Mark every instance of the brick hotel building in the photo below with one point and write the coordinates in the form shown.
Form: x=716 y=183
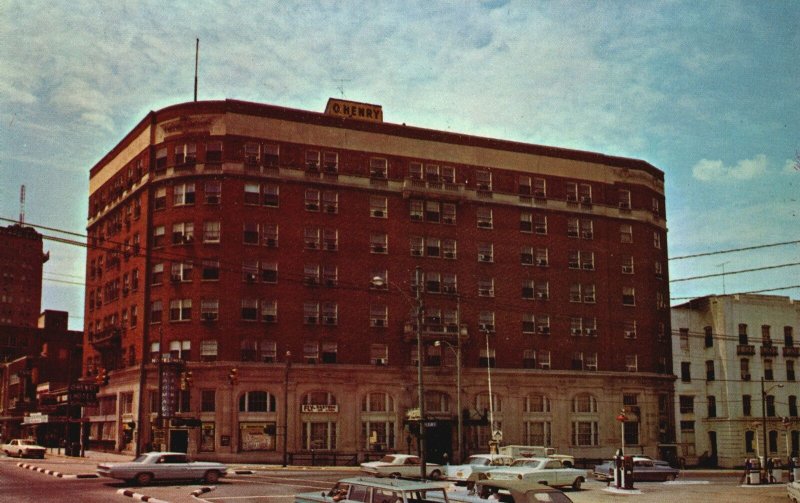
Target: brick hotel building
x=254 y=274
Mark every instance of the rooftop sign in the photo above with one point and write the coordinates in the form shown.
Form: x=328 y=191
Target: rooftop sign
x=354 y=110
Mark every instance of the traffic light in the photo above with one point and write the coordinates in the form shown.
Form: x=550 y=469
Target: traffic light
x=233 y=376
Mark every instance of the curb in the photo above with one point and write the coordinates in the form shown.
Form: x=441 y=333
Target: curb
x=138 y=496
x=54 y=473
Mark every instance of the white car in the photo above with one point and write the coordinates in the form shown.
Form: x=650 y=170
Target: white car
x=163 y=466
x=401 y=465
x=24 y=448
x=548 y=471
x=477 y=463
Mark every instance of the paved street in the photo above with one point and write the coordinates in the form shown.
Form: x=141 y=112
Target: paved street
x=59 y=477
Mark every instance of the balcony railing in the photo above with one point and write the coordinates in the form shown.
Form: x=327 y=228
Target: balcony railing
x=791 y=351
x=424 y=187
x=769 y=351
x=745 y=349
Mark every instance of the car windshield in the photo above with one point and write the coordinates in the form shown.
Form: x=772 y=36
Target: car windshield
x=387 y=459
x=479 y=461
x=140 y=459
x=27 y=442
x=526 y=462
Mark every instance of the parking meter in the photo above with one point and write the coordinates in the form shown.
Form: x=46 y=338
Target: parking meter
x=618 y=470
x=627 y=472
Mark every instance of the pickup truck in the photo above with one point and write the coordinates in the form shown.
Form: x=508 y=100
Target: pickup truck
x=548 y=471
x=23 y=448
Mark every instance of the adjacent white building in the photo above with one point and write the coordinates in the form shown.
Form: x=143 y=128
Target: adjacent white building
x=736 y=357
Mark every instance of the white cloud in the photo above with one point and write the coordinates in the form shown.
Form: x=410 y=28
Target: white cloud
x=716 y=171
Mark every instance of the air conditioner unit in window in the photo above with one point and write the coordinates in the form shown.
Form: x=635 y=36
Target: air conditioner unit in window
x=330 y=320
x=485 y=225
x=542 y=295
x=539 y=193
x=331 y=209
x=269 y=318
x=591 y=332
x=188 y=238
x=312 y=167
x=577 y=331
x=377 y=213
x=416 y=253
x=486 y=327
x=588 y=267
x=378 y=249
x=209 y=316
x=541 y=262
x=543 y=330
x=251 y=277
x=311 y=320
x=272 y=243
x=380 y=361
x=630 y=334
x=449 y=254
x=312 y=207
x=378 y=323
x=486 y=258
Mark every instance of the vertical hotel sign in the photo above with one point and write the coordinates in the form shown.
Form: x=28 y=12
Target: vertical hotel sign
x=354 y=110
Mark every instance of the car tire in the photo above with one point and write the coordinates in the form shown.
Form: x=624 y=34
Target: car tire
x=577 y=484
x=436 y=475
x=211 y=477
x=143 y=478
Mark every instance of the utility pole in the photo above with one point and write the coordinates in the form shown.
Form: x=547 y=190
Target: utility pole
x=421 y=387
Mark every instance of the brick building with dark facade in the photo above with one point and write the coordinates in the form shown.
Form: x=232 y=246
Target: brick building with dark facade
x=21 y=261
x=272 y=255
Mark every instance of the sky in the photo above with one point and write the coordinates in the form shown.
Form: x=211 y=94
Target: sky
x=705 y=91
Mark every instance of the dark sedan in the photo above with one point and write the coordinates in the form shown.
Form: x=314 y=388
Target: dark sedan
x=644 y=470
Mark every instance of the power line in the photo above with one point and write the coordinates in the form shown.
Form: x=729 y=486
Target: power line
x=776 y=289
x=741 y=271
x=734 y=250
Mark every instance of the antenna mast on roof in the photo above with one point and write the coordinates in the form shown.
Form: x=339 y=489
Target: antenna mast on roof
x=196 y=58
x=22 y=204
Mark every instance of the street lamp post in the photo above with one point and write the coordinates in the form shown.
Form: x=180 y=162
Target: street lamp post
x=286 y=407
x=495 y=437
x=764 y=423
x=460 y=419
x=380 y=281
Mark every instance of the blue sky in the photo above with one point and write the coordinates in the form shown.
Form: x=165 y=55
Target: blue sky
x=705 y=91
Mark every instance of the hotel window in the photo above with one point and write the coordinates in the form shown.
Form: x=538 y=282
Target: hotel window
x=208 y=350
x=251 y=154
x=590 y=327
x=449 y=213
x=270 y=195
x=484 y=218
x=161 y=159
x=432 y=173
x=742 y=334
x=486 y=321
x=543 y=359
x=686 y=372
x=625 y=233
x=770 y=406
x=158 y=236
x=526 y=255
x=527 y=289
x=211 y=232
x=269 y=272
x=181 y=271
x=483 y=179
x=378 y=207
x=378 y=168
x=540 y=224
x=378 y=355
x=628 y=296
x=182 y=233
x=526 y=222
x=433 y=282
x=449 y=249
x=311 y=274
x=271 y=156
x=576 y=326
x=574 y=259
x=486 y=287
x=311 y=238
x=251 y=193
x=415 y=170
x=249 y=309
x=590 y=361
x=212 y=191
x=180 y=309
x=250 y=235
x=250 y=271
x=744 y=369
x=766 y=338
x=156 y=310
x=209 y=309
x=542 y=290
x=134 y=315
x=528 y=323
x=330 y=313
x=214 y=152
x=383 y=283
x=659 y=269
x=542 y=257
x=186 y=154
x=624 y=199
x=312 y=160
x=180 y=350
x=329 y=350
x=710 y=376
x=269 y=312
x=524 y=185
x=487 y=359
x=416 y=210
x=790 y=375
x=747 y=405
x=160 y=199
x=768 y=373
x=657 y=240
x=572 y=192
x=485 y=252
x=448 y=174
x=271 y=235
x=587 y=260
x=711 y=402
x=379 y=243
x=378 y=316
x=210 y=270
x=183 y=194
x=539 y=187
x=792 y=405
x=330 y=239
x=157 y=274
x=433 y=247
x=432 y=211
x=311 y=354
x=330 y=162
x=311 y=313
x=312 y=200
x=330 y=275
x=629 y=329
x=417 y=246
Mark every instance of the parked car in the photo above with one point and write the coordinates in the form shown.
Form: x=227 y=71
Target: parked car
x=23 y=448
x=549 y=471
x=645 y=469
x=372 y=489
x=477 y=463
x=509 y=491
x=401 y=465
x=157 y=466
